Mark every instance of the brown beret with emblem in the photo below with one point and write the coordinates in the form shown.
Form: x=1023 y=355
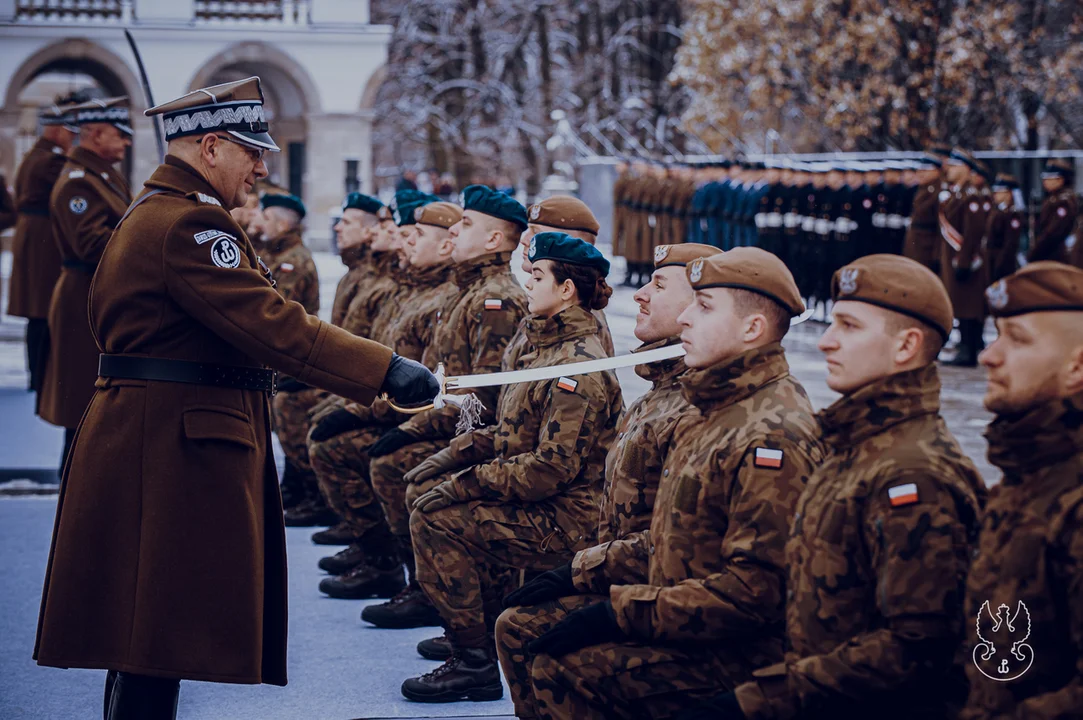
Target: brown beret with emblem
x=235 y=108
x=899 y=284
x=438 y=214
x=565 y=213
x=747 y=268
x=682 y=254
x=1043 y=286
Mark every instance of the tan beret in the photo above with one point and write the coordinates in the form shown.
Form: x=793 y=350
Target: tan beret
x=747 y=268
x=565 y=213
x=438 y=214
x=682 y=254
x=1043 y=286
x=899 y=284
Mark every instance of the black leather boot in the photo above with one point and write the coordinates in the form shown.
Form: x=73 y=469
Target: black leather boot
x=437 y=648
x=376 y=577
x=311 y=513
x=139 y=697
x=338 y=534
x=471 y=673
x=409 y=609
x=344 y=560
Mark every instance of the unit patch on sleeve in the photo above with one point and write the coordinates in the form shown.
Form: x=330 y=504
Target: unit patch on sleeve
x=900 y=495
x=567 y=384
x=225 y=253
x=494 y=304
x=767 y=458
x=77 y=205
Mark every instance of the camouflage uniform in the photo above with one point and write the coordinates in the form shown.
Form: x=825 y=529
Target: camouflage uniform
x=877 y=559
x=700 y=594
x=1031 y=551
x=359 y=269
x=633 y=469
x=371 y=295
x=533 y=499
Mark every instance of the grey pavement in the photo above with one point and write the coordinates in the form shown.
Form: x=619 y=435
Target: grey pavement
x=339 y=668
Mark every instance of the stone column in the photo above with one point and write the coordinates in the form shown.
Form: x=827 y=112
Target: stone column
x=332 y=140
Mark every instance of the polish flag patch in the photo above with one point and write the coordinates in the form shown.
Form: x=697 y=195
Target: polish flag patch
x=493 y=303
x=900 y=495
x=767 y=458
x=567 y=384
x=286 y=267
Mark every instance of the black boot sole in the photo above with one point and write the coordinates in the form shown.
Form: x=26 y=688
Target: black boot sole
x=383 y=589
x=485 y=693
x=417 y=620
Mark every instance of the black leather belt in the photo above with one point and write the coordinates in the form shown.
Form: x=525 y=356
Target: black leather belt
x=928 y=227
x=237 y=377
x=39 y=212
x=88 y=268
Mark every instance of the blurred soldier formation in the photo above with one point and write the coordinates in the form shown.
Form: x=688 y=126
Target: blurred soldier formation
x=716 y=549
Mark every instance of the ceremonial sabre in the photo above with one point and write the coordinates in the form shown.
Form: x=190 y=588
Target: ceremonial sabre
x=146 y=93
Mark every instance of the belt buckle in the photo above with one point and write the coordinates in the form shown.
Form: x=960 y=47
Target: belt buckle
x=274 y=383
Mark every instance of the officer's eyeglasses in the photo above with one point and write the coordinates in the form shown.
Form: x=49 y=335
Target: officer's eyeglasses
x=254 y=154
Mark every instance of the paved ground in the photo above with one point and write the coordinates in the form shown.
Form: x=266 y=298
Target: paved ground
x=338 y=667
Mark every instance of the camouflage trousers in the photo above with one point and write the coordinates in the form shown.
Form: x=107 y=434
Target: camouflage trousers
x=386 y=474
x=291 y=423
x=624 y=680
x=341 y=464
x=465 y=552
x=515 y=629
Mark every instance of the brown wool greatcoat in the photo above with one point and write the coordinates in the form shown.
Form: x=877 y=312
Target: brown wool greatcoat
x=35 y=264
x=86 y=204
x=169 y=554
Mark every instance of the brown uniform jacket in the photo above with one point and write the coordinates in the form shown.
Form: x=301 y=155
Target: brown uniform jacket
x=86 y=204
x=1056 y=220
x=549 y=443
x=35 y=265
x=711 y=568
x=358 y=268
x=168 y=554
x=967 y=213
x=877 y=559
x=472 y=333
x=293 y=270
x=923 y=240
x=1002 y=231
x=1030 y=553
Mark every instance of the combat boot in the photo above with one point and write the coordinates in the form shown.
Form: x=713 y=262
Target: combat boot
x=471 y=673
x=374 y=578
x=437 y=648
x=339 y=534
x=311 y=513
x=409 y=609
x=344 y=560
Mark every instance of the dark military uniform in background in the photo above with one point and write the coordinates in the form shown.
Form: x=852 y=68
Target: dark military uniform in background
x=1056 y=221
x=923 y=239
x=1002 y=232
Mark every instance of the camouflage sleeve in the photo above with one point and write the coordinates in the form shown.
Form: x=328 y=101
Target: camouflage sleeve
x=1049 y=238
x=747 y=593
x=566 y=434
x=919 y=556
x=1066 y=565
x=620 y=562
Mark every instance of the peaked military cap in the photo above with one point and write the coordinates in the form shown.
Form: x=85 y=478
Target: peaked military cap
x=110 y=111
x=1043 y=286
x=58 y=115
x=941 y=149
x=362 y=202
x=483 y=199
x=898 y=284
x=438 y=214
x=748 y=268
x=562 y=247
x=1058 y=167
x=681 y=254
x=564 y=212
x=1005 y=181
x=235 y=108
x=406 y=202
x=283 y=200
x=930 y=161
x=959 y=155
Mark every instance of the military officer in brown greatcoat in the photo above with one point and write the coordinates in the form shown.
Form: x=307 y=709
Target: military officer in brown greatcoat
x=168 y=558
x=923 y=241
x=1003 y=228
x=86 y=204
x=35 y=265
x=1053 y=237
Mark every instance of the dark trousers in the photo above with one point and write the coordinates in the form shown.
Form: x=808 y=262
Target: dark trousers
x=140 y=697
x=37 y=351
x=69 y=438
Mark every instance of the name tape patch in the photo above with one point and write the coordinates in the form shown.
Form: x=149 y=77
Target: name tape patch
x=767 y=458
x=208 y=235
x=900 y=495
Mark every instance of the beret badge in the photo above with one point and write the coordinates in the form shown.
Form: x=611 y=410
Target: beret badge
x=997 y=295
x=535 y=212
x=396 y=217
x=695 y=270
x=533 y=248
x=419 y=213
x=848 y=280
x=660 y=253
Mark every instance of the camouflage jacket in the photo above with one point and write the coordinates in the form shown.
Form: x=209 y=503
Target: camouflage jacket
x=293 y=270
x=359 y=268
x=472 y=332
x=634 y=464
x=877 y=558
x=520 y=343
x=371 y=295
x=549 y=443
x=389 y=309
x=711 y=567
x=1030 y=553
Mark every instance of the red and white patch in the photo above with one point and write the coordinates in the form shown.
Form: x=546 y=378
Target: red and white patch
x=286 y=267
x=567 y=384
x=900 y=495
x=767 y=458
x=493 y=303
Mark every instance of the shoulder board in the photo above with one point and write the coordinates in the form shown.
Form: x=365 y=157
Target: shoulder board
x=204 y=198
x=74 y=174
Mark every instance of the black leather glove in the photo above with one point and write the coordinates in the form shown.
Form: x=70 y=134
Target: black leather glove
x=550 y=585
x=720 y=707
x=389 y=442
x=335 y=423
x=291 y=385
x=593 y=625
x=409 y=382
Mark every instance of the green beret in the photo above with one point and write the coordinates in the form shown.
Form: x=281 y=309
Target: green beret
x=284 y=200
x=500 y=205
x=364 y=203
x=406 y=202
x=567 y=249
